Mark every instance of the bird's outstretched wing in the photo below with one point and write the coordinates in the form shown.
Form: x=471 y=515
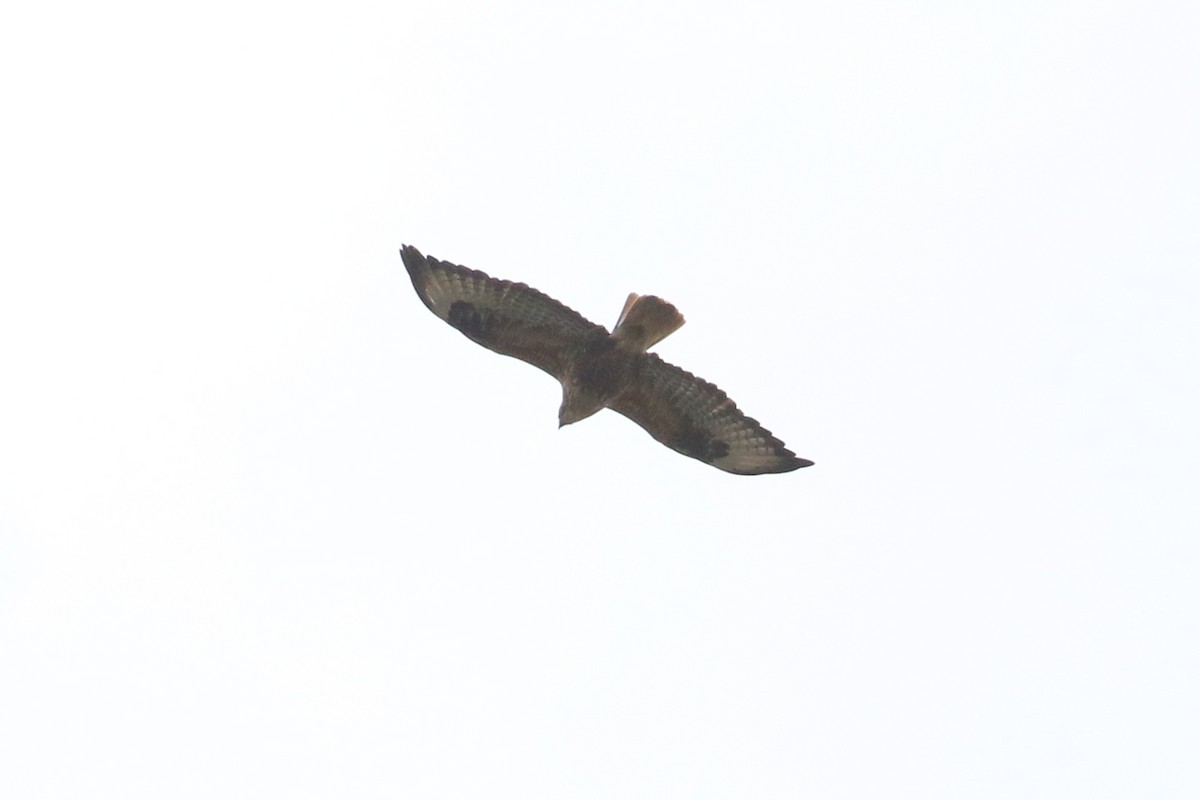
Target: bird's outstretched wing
x=693 y=417
x=509 y=318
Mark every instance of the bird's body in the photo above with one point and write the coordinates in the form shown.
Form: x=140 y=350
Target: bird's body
x=594 y=377
x=598 y=369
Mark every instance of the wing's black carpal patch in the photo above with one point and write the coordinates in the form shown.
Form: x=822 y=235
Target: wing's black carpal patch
x=697 y=444
x=466 y=317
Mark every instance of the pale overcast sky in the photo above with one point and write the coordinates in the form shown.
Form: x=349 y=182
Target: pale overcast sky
x=268 y=528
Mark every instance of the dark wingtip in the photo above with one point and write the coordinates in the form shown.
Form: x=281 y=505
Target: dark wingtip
x=414 y=262
x=792 y=464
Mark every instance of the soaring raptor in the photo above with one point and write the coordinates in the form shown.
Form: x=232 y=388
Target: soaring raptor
x=598 y=369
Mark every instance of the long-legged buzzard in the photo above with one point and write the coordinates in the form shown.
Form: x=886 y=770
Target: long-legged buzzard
x=598 y=369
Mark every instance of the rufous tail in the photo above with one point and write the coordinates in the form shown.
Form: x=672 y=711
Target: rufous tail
x=645 y=321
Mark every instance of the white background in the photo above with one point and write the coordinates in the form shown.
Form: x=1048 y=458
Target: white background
x=270 y=529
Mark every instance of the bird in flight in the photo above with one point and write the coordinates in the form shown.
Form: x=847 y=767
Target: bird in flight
x=598 y=369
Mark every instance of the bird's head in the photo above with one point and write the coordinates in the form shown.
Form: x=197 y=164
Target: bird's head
x=567 y=414
x=574 y=409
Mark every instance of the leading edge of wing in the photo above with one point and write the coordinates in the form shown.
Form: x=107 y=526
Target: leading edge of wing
x=439 y=283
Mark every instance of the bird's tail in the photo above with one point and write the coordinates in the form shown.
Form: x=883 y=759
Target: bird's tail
x=645 y=321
